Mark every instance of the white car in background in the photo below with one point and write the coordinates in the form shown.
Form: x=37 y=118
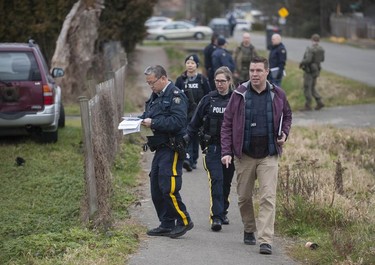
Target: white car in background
x=155 y=21
x=179 y=30
x=242 y=25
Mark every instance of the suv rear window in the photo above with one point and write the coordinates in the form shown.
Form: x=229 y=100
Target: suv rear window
x=19 y=66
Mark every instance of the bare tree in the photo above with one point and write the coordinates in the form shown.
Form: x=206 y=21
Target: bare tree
x=75 y=45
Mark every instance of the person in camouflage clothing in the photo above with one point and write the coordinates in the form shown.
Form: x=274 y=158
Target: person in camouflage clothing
x=313 y=57
x=242 y=58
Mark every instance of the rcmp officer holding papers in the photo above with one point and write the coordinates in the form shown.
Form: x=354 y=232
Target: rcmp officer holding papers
x=166 y=115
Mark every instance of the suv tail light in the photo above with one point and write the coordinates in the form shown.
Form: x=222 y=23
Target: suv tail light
x=47 y=95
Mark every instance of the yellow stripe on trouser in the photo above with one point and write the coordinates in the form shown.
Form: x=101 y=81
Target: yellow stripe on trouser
x=210 y=185
x=173 y=188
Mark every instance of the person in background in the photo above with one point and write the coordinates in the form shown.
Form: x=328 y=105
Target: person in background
x=207 y=122
x=195 y=86
x=313 y=57
x=242 y=57
x=207 y=52
x=256 y=125
x=232 y=22
x=222 y=57
x=277 y=60
x=166 y=115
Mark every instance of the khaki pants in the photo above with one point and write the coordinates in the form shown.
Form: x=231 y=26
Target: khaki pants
x=265 y=170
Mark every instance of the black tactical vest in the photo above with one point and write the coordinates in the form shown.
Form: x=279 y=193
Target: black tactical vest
x=249 y=119
x=215 y=115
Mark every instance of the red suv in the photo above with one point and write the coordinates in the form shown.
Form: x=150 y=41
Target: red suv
x=30 y=100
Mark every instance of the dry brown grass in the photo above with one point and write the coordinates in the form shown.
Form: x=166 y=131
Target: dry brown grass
x=311 y=157
x=327 y=193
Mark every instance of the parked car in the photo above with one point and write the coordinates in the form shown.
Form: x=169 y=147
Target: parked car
x=179 y=30
x=242 y=25
x=220 y=26
x=155 y=21
x=30 y=100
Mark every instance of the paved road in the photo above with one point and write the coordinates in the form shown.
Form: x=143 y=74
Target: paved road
x=355 y=63
x=357 y=116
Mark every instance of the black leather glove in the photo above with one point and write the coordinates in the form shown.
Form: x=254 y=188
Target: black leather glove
x=186 y=139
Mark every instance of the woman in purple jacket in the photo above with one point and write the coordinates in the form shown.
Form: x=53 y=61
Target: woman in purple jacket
x=256 y=124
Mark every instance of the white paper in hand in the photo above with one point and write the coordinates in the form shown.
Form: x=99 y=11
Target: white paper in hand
x=130 y=125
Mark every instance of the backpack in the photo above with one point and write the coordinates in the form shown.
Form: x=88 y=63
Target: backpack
x=318 y=54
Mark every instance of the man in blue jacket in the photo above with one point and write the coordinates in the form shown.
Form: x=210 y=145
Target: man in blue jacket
x=256 y=124
x=277 y=60
x=166 y=115
x=222 y=57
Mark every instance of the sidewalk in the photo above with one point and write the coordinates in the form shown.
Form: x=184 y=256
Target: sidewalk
x=200 y=246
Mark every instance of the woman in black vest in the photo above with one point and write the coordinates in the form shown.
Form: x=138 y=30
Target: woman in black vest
x=195 y=86
x=206 y=122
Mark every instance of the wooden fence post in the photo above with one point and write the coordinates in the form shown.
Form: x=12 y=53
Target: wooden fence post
x=89 y=156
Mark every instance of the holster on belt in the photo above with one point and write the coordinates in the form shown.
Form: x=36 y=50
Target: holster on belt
x=178 y=145
x=154 y=142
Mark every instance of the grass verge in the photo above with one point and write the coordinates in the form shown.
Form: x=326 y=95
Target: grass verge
x=326 y=195
x=40 y=203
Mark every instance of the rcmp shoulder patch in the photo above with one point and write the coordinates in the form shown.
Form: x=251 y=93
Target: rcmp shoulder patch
x=283 y=51
x=177 y=100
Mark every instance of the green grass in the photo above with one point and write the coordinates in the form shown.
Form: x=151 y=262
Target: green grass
x=40 y=203
x=72 y=109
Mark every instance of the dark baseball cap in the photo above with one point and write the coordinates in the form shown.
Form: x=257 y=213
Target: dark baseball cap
x=221 y=41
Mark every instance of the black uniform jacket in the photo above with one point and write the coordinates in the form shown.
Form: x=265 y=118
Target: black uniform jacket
x=168 y=112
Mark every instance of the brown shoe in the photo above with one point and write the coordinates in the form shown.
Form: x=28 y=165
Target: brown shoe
x=319 y=106
x=306 y=108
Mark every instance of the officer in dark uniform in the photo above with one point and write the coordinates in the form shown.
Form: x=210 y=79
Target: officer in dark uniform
x=195 y=86
x=207 y=52
x=166 y=115
x=222 y=57
x=277 y=60
x=207 y=121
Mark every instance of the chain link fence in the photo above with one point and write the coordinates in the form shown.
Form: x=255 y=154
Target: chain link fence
x=100 y=117
x=352 y=27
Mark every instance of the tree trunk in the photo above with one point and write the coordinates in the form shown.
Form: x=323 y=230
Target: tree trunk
x=75 y=46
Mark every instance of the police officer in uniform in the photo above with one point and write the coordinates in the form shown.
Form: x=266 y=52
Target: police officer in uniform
x=277 y=60
x=222 y=57
x=242 y=57
x=207 y=52
x=310 y=64
x=195 y=86
x=166 y=115
x=207 y=121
